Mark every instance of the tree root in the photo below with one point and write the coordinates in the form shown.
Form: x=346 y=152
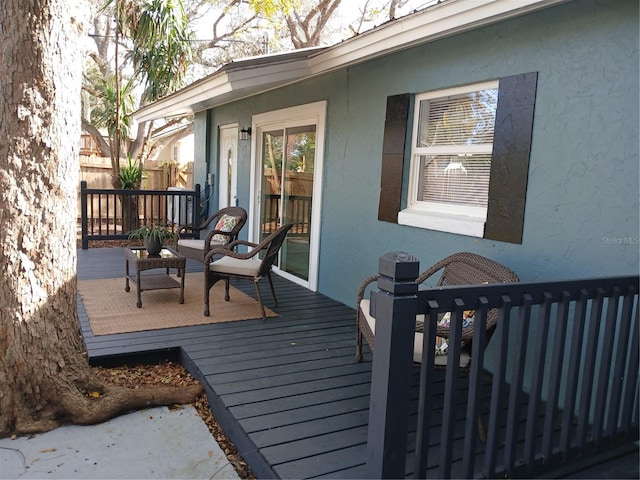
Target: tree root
x=116 y=400
x=97 y=406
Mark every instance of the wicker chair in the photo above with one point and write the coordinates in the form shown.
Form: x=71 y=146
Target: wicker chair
x=458 y=269
x=232 y=264
x=197 y=249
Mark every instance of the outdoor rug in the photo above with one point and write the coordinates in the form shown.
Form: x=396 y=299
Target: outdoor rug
x=112 y=310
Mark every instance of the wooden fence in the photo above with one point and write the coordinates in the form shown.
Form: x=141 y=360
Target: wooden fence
x=96 y=172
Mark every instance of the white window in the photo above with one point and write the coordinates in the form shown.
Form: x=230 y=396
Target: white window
x=452 y=143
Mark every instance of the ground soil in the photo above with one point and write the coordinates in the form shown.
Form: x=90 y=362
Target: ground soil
x=169 y=373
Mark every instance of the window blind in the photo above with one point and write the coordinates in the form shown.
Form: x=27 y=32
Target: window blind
x=455 y=179
x=454 y=143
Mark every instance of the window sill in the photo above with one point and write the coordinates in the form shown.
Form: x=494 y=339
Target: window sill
x=443 y=222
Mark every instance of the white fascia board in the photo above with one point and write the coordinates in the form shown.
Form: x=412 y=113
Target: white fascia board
x=240 y=81
x=265 y=76
x=227 y=86
x=438 y=21
x=182 y=102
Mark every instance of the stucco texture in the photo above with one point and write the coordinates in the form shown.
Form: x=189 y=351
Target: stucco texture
x=582 y=212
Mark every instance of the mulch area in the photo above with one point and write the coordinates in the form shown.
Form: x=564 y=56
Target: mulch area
x=169 y=373
x=110 y=243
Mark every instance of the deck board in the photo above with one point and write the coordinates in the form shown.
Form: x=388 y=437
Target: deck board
x=286 y=391
x=290 y=383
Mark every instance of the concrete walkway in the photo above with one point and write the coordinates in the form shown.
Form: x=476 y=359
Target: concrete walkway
x=155 y=443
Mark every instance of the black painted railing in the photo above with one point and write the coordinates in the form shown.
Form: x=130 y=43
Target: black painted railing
x=108 y=214
x=296 y=210
x=556 y=386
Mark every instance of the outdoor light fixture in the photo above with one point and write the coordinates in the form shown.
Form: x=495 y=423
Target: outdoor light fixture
x=245 y=133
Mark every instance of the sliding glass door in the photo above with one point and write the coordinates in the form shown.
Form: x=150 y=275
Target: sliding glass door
x=288 y=158
x=287 y=179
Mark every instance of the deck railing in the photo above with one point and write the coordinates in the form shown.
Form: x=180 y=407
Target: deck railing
x=562 y=366
x=297 y=210
x=108 y=214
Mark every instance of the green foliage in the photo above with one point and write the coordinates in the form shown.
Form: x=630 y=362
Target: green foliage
x=162 y=38
x=303 y=152
x=155 y=50
x=270 y=8
x=131 y=175
x=153 y=232
x=161 y=42
x=105 y=114
x=300 y=150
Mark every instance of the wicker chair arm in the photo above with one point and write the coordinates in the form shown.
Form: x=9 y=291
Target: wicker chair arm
x=432 y=270
x=209 y=237
x=228 y=250
x=187 y=228
x=235 y=243
x=199 y=228
x=363 y=287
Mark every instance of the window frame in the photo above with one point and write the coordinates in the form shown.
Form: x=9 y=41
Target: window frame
x=452 y=218
x=512 y=146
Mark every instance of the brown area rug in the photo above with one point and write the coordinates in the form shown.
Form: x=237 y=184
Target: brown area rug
x=112 y=310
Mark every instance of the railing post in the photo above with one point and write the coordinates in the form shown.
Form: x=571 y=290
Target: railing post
x=394 y=306
x=83 y=215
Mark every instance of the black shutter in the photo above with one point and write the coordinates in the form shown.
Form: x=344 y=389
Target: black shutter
x=395 y=134
x=510 y=158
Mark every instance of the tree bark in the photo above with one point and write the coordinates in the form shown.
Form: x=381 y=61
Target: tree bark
x=45 y=379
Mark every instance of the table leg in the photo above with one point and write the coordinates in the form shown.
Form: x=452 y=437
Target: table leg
x=181 y=272
x=126 y=276
x=139 y=304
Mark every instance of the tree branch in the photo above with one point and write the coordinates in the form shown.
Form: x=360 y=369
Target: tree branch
x=103 y=145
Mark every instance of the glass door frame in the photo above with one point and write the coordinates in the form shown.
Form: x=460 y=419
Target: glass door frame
x=309 y=114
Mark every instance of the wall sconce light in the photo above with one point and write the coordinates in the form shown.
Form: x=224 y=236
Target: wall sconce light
x=245 y=133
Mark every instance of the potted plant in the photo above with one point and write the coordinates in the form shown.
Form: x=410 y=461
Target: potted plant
x=153 y=237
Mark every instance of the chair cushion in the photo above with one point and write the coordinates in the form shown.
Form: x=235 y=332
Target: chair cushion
x=236 y=266
x=465 y=358
x=191 y=243
x=225 y=224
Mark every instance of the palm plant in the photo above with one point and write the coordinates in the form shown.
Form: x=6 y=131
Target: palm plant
x=131 y=175
x=157 y=39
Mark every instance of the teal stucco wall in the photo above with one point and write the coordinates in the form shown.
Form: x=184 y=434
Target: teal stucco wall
x=582 y=213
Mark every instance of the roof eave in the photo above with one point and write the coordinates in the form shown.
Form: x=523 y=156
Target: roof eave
x=249 y=77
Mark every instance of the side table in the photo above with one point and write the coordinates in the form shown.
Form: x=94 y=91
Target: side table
x=141 y=260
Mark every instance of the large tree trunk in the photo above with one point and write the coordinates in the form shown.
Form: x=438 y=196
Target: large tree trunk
x=45 y=379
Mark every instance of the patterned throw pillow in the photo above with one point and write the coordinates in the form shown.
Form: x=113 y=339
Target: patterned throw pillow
x=225 y=224
x=445 y=321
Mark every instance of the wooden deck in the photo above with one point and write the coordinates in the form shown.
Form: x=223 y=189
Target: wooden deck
x=286 y=391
